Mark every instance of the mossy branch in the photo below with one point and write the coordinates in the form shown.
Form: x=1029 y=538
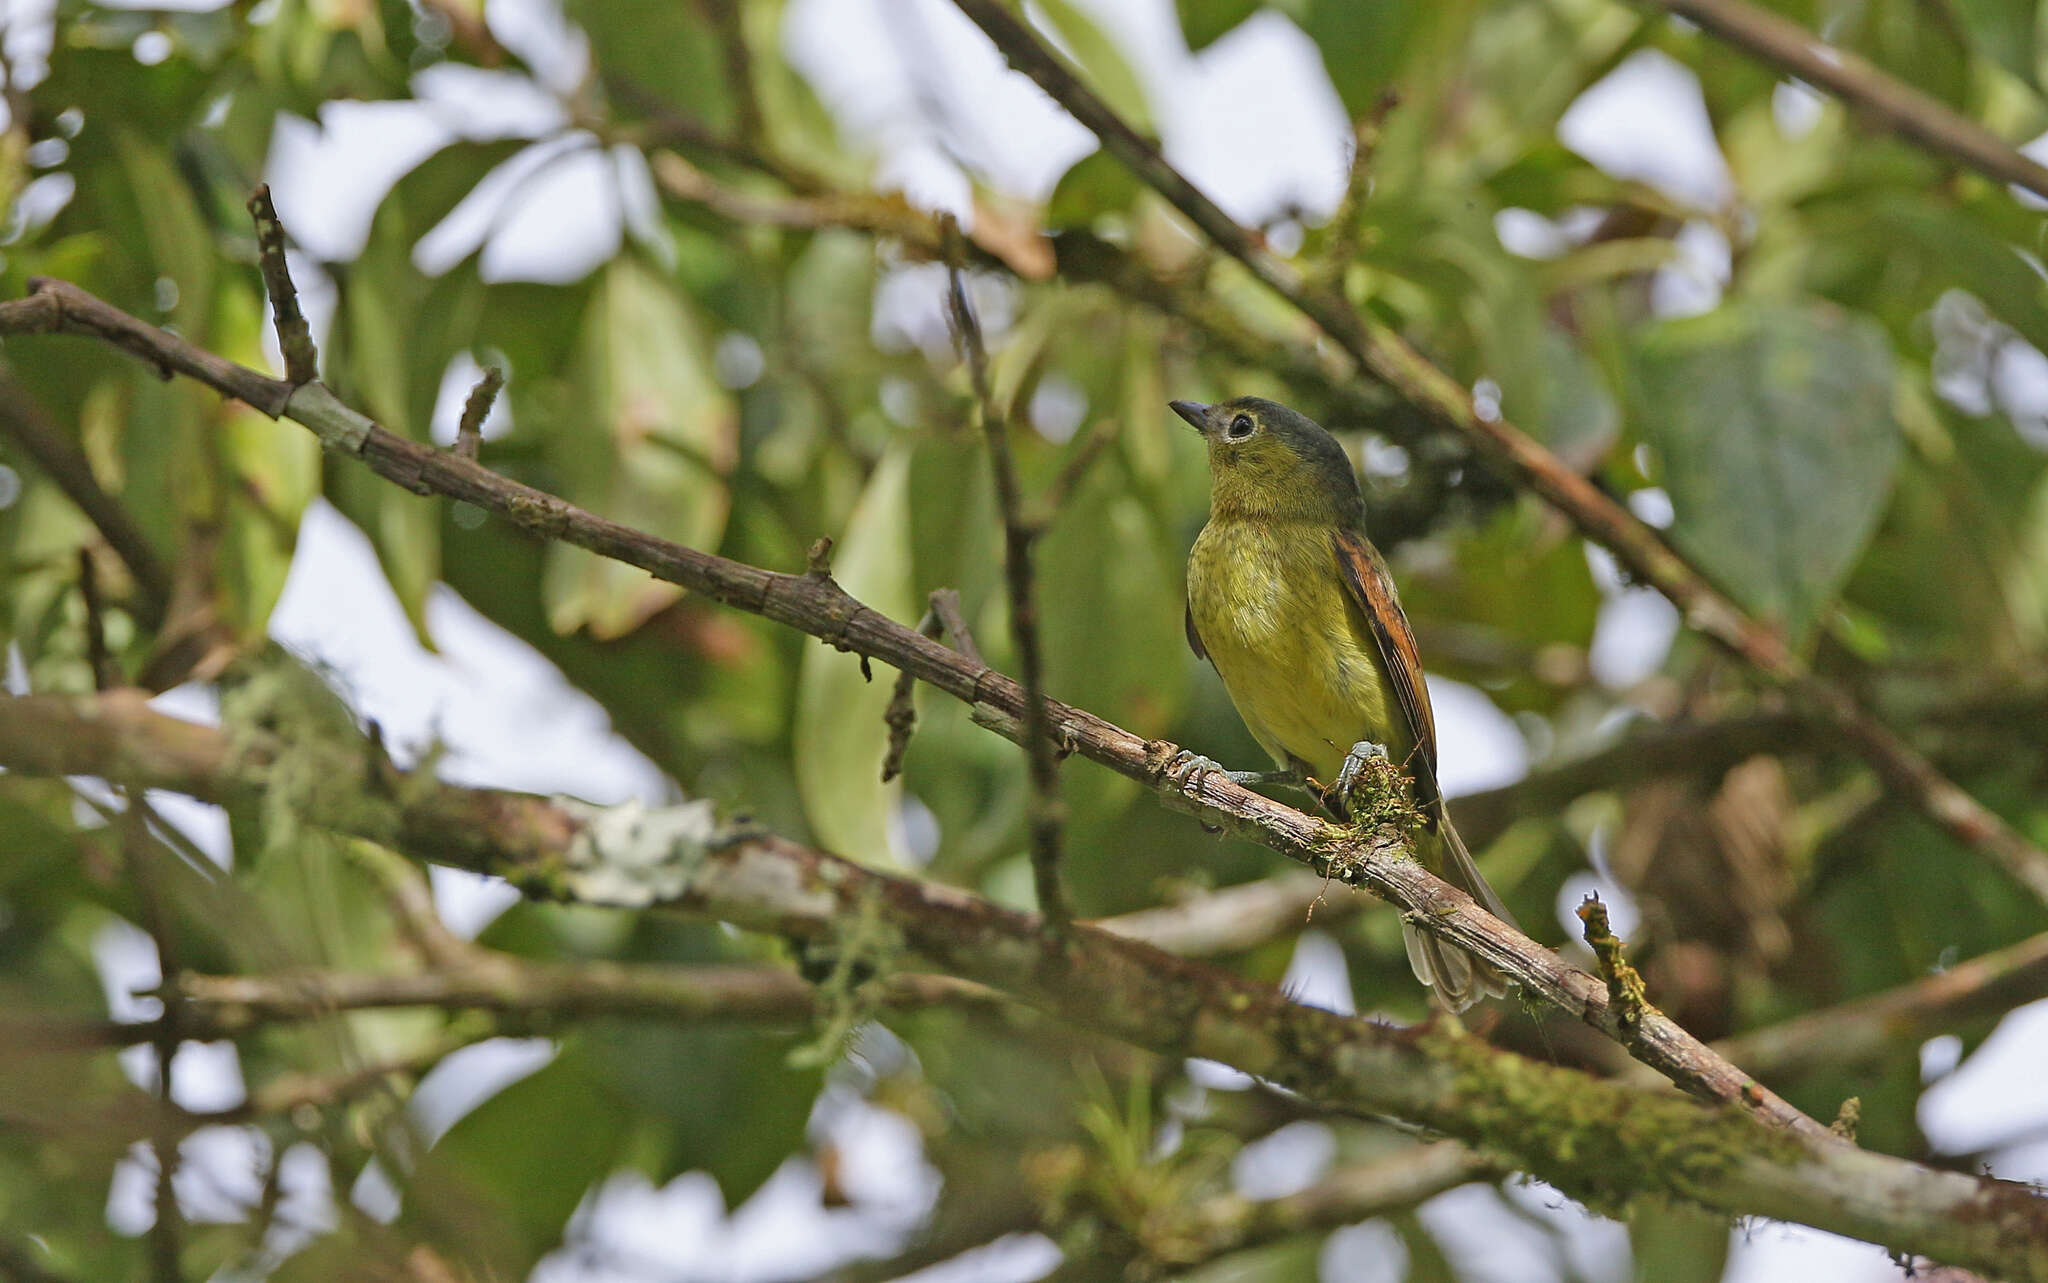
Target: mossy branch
x=1601 y=1141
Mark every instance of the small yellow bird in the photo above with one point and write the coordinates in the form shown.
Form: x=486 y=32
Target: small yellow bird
x=1295 y=608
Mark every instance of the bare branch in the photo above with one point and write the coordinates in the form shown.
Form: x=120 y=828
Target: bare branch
x=1860 y=1031
x=525 y=995
x=1239 y=917
x=1919 y=118
x=1045 y=814
x=294 y=336
x=104 y=676
x=469 y=433
x=1343 y=1196
x=1387 y=357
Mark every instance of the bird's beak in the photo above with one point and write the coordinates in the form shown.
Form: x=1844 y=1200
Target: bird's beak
x=1193 y=411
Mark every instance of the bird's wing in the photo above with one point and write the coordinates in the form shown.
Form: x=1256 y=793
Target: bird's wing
x=1194 y=638
x=1372 y=588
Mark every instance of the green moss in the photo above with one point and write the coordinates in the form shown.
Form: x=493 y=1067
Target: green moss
x=297 y=750
x=847 y=968
x=1382 y=797
x=1625 y=990
x=1603 y=1144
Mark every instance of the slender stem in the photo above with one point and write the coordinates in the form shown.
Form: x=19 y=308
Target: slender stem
x=1045 y=814
x=1857 y=1032
x=63 y=462
x=469 y=433
x=1389 y=358
x=294 y=336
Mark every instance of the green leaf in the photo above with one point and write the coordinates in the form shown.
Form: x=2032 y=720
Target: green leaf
x=663 y=48
x=839 y=735
x=1098 y=184
x=648 y=442
x=1674 y=1243
x=1366 y=43
x=1778 y=443
x=1108 y=72
x=508 y=1174
x=1204 y=22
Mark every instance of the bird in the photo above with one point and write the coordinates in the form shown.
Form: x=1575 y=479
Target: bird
x=1296 y=610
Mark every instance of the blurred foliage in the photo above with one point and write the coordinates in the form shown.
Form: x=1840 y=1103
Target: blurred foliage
x=1842 y=421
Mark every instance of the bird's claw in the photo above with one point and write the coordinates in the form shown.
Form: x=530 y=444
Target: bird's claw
x=1186 y=768
x=1354 y=761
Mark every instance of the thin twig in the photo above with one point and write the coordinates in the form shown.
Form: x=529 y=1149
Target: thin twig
x=1389 y=358
x=1344 y=1195
x=1624 y=986
x=1045 y=813
x=901 y=715
x=26 y=423
x=1858 y=1032
x=97 y=660
x=167 y=1233
x=469 y=434
x=1075 y=470
x=294 y=336
x=1347 y=225
x=1919 y=118
x=946 y=605
x=739 y=70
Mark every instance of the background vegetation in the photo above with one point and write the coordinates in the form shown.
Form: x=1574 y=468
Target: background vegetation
x=1844 y=428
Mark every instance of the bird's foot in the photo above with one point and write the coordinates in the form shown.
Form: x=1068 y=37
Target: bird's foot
x=1355 y=761
x=1187 y=768
x=1368 y=789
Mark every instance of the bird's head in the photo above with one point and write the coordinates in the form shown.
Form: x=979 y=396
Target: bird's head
x=1268 y=460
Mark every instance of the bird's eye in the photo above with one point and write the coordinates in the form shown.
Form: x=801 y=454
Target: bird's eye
x=1240 y=427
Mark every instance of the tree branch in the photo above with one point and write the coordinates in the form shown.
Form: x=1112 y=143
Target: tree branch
x=1600 y=1141
x=1860 y=1031
x=814 y=604
x=1390 y=359
x=527 y=994
x=1343 y=1196
x=1045 y=815
x=1919 y=118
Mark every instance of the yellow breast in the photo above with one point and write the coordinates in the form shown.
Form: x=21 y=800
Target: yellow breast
x=1292 y=648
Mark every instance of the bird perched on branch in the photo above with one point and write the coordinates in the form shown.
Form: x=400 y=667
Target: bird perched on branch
x=1295 y=608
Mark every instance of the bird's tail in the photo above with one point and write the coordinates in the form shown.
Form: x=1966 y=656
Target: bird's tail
x=1458 y=978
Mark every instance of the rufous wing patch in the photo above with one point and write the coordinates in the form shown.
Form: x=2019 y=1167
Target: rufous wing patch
x=1365 y=577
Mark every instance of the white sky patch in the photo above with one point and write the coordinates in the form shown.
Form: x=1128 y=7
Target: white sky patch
x=1774 y=1252
x=1285 y=1162
x=1635 y=628
x=1646 y=120
x=469 y=1077
x=1317 y=975
x=507 y=717
x=1286 y=143
x=327 y=179
x=1486 y=1240
x=1368 y=1253
x=1478 y=746
x=917 y=82
x=2006 y=1070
